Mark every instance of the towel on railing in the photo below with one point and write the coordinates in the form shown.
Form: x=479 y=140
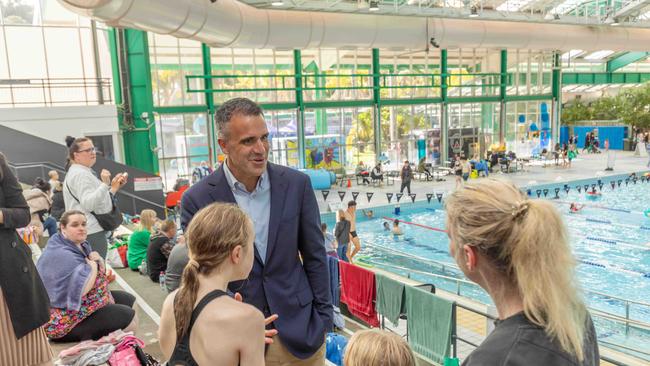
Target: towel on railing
x=333 y=265
x=429 y=323
x=358 y=292
x=390 y=298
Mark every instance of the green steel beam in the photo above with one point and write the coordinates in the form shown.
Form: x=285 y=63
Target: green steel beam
x=376 y=101
x=597 y=78
x=297 y=65
x=209 y=101
x=181 y=109
x=338 y=104
x=503 y=95
x=625 y=59
x=444 y=109
x=140 y=135
x=117 y=85
x=527 y=98
x=486 y=99
x=556 y=103
x=398 y=102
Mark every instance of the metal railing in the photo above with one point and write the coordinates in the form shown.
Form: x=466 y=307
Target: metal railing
x=55 y=92
x=44 y=167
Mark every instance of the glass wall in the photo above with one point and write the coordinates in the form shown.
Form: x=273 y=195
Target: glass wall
x=345 y=73
x=183 y=139
x=528 y=126
x=47 y=57
x=283 y=132
x=531 y=72
x=407 y=75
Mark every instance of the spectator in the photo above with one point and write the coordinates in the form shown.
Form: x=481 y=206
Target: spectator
x=458 y=171
x=81 y=305
x=282 y=239
x=406 y=174
x=499 y=239
x=24 y=305
x=342 y=234
x=177 y=261
x=39 y=200
x=84 y=192
x=58 y=203
x=160 y=246
x=466 y=168
x=375 y=347
x=422 y=168
x=54 y=178
x=228 y=332
x=330 y=241
x=376 y=173
x=139 y=239
x=362 y=171
x=201 y=171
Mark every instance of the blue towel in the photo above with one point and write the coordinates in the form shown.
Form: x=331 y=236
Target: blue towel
x=333 y=264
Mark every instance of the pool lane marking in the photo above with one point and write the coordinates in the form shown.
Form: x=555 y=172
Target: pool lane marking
x=416 y=224
x=615 y=268
x=143 y=304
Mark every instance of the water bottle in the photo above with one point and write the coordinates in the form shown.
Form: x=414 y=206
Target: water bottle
x=161 y=281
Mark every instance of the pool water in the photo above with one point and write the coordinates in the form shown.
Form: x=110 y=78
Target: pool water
x=610 y=237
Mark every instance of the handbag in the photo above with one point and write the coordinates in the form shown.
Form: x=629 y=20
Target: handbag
x=108 y=221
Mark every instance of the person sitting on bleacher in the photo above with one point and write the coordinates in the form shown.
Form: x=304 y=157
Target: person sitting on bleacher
x=422 y=169
x=81 y=305
x=160 y=246
x=377 y=174
x=362 y=171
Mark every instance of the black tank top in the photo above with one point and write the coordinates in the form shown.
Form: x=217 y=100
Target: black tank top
x=182 y=356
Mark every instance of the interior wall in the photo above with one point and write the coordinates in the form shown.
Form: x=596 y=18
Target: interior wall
x=55 y=123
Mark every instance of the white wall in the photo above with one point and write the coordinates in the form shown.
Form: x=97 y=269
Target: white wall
x=55 y=123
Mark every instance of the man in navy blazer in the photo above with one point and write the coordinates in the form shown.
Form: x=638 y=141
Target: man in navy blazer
x=289 y=276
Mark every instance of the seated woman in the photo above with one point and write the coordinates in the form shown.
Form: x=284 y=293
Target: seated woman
x=500 y=240
x=200 y=324
x=81 y=305
x=362 y=171
x=422 y=168
x=139 y=239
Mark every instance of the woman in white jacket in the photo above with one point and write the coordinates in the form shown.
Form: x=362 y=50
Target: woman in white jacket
x=84 y=192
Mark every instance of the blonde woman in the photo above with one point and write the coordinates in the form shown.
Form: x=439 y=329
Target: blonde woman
x=376 y=347
x=518 y=251
x=139 y=239
x=200 y=324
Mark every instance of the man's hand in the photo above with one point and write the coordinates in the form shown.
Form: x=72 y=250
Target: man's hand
x=268 y=333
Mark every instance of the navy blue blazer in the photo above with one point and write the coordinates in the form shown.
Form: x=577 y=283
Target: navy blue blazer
x=299 y=292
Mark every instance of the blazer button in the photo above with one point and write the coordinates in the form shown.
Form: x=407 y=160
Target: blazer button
x=25 y=269
x=13 y=244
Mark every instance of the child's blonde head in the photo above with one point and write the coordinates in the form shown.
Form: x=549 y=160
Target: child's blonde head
x=376 y=347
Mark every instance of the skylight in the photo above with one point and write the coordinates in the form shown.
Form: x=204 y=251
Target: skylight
x=571 y=54
x=513 y=5
x=599 y=55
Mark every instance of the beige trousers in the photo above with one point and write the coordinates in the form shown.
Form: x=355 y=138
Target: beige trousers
x=278 y=355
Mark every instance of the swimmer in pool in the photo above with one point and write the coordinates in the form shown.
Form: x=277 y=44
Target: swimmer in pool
x=369 y=213
x=396 y=229
x=574 y=208
x=386 y=226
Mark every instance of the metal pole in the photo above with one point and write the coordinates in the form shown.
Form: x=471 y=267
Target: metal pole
x=502 y=96
x=300 y=123
x=444 y=116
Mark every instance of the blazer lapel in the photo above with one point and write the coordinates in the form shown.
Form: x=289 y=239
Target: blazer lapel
x=221 y=192
x=278 y=198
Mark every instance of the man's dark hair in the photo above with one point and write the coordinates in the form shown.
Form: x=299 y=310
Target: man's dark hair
x=351 y=203
x=323 y=226
x=235 y=106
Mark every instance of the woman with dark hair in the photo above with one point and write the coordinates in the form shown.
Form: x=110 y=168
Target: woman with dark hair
x=23 y=300
x=84 y=192
x=82 y=307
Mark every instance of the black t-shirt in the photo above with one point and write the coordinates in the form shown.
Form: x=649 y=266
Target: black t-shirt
x=157 y=253
x=517 y=342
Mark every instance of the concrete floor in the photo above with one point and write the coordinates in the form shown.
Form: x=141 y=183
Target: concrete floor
x=151 y=297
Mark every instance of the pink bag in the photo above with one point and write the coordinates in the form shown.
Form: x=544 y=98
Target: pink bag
x=124 y=357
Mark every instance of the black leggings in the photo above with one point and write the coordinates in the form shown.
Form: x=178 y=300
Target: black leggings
x=105 y=320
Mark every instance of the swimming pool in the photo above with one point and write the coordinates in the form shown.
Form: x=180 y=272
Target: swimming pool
x=609 y=238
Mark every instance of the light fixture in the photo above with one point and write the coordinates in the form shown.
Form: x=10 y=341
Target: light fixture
x=277 y=3
x=473 y=12
x=374 y=5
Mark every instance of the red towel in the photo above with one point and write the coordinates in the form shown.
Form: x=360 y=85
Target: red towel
x=358 y=292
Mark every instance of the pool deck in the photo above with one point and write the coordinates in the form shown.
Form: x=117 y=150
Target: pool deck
x=585 y=166
x=150 y=297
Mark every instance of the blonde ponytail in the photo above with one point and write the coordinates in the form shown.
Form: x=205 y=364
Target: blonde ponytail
x=528 y=242
x=185 y=300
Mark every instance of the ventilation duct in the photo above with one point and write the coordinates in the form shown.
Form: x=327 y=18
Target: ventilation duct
x=230 y=23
